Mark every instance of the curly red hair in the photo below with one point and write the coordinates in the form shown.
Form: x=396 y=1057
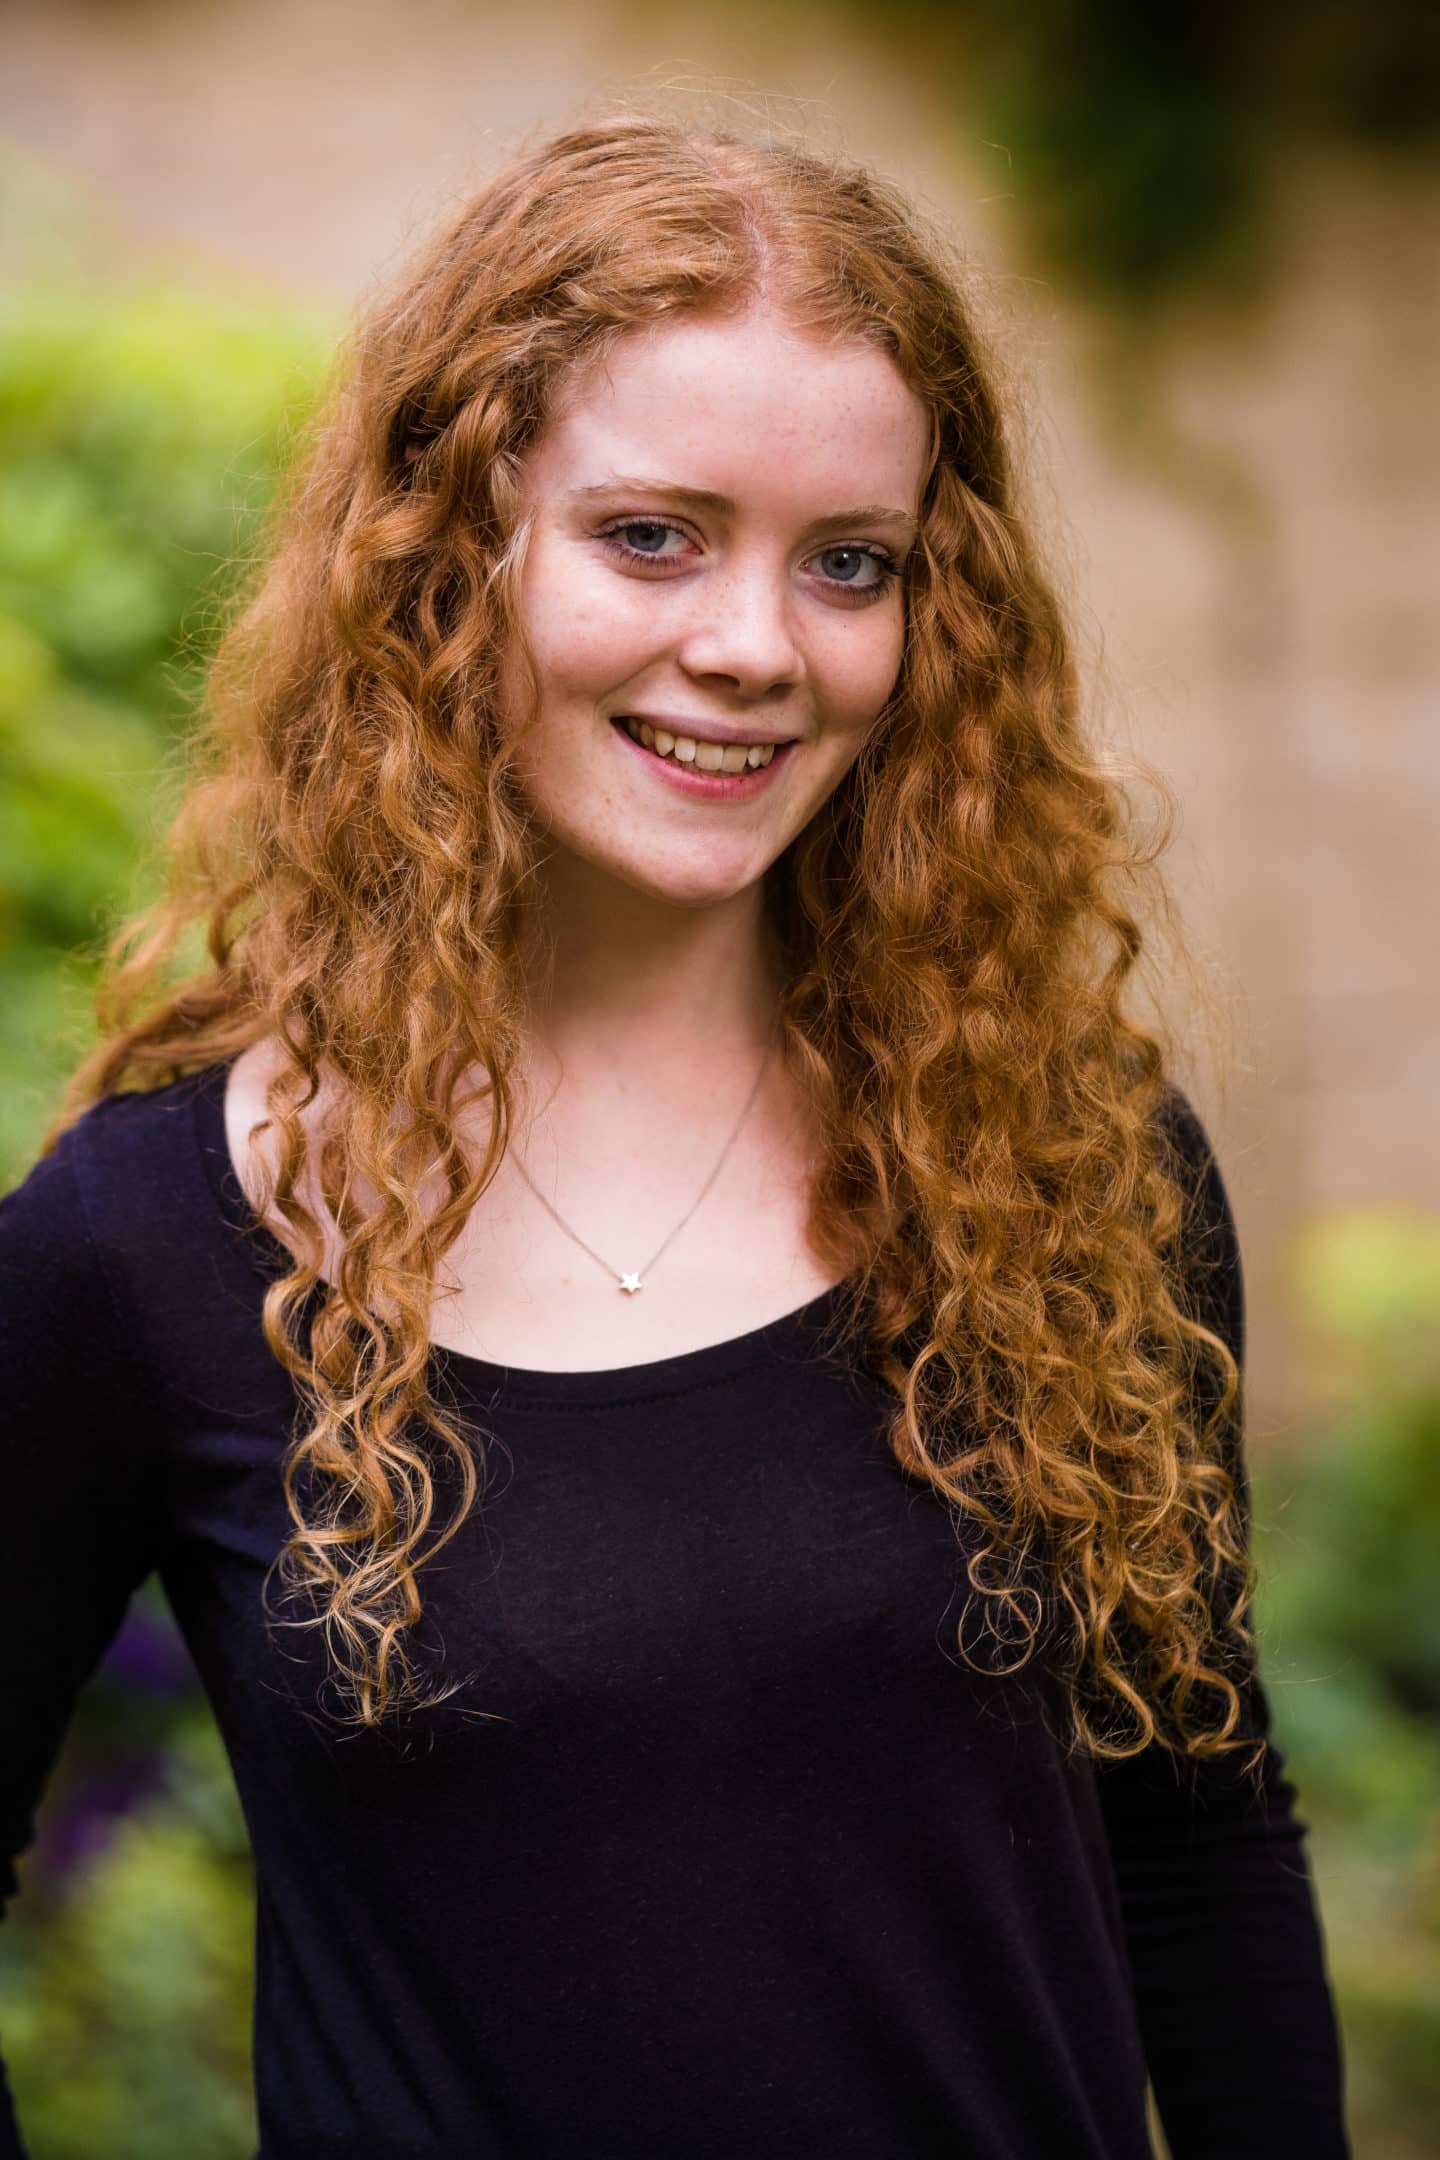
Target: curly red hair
x=999 y=1179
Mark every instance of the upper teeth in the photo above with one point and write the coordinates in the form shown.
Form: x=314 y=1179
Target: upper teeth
x=691 y=750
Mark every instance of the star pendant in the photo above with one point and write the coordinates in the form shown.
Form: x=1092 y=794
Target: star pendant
x=631 y=1283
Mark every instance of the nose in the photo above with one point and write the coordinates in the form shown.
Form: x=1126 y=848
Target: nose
x=742 y=632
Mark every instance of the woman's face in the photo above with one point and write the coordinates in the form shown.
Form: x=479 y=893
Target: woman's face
x=721 y=515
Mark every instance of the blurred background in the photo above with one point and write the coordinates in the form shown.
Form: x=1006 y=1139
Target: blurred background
x=1203 y=243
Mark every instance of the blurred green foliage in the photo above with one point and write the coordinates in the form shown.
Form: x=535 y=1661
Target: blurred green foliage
x=125 y=2004
x=140 y=437
x=1348 y=1547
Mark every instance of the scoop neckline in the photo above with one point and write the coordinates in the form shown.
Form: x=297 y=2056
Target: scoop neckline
x=682 y=1370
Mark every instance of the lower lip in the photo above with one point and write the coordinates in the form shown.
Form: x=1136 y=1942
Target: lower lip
x=718 y=787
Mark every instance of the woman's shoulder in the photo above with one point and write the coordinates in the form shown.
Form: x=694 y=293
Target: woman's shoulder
x=1206 y=1251
x=122 y=1274
x=1192 y=1158
x=1182 y=1126
x=136 y=1126
x=118 y=1181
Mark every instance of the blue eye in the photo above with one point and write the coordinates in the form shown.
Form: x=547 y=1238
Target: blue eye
x=645 y=535
x=638 y=540
x=845 y=565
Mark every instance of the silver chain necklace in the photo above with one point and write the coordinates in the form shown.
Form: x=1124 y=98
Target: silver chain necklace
x=630 y=1279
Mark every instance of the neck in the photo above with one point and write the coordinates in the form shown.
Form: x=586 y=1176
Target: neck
x=636 y=999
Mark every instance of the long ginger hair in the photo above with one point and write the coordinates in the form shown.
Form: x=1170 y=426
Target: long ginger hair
x=995 y=1183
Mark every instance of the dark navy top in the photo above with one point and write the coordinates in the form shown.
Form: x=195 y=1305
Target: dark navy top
x=721 y=1851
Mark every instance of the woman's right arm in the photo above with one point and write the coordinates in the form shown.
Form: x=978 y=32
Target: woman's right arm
x=82 y=1517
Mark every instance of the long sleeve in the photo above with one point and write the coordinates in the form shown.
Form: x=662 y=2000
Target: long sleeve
x=1220 y=1916
x=81 y=1506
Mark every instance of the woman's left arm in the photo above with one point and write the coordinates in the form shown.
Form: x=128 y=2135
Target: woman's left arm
x=1224 y=1933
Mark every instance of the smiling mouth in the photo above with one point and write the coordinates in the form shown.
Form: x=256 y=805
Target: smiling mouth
x=695 y=751
x=712 y=781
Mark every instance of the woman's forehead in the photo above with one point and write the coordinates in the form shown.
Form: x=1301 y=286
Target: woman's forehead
x=729 y=404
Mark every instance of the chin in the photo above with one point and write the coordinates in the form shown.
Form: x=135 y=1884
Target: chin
x=701 y=888
x=693 y=895
x=671 y=881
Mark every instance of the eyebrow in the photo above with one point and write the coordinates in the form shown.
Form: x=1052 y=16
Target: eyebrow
x=706 y=499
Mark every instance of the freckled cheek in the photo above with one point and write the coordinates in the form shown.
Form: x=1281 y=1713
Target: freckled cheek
x=586 y=643
x=857 y=675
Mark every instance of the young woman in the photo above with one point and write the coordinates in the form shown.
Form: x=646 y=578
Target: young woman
x=675 y=1351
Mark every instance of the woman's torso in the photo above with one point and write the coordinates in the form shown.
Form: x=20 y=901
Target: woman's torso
x=716 y=1843
x=719 y=1845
